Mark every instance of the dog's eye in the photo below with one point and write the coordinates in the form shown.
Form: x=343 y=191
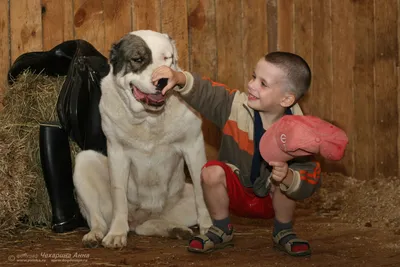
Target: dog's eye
x=165 y=58
x=137 y=59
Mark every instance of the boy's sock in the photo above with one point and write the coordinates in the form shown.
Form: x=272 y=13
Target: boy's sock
x=279 y=226
x=225 y=225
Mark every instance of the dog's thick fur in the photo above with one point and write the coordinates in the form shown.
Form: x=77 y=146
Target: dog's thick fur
x=140 y=186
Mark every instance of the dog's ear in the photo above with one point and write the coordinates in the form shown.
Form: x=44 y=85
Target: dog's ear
x=174 y=49
x=114 y=52
x=175 y=56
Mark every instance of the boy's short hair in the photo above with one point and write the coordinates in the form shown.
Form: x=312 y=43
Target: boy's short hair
x=297 y=69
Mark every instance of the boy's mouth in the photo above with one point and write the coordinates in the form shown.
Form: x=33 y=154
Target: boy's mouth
x=252 y=97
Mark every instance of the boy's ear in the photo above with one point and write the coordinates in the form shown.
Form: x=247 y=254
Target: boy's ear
x=288 y=100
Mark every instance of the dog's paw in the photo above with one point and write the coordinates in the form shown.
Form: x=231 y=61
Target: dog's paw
x=204 y=229
x=93 y=238
x=115 y=240
x=204 y=221
x=181 y=233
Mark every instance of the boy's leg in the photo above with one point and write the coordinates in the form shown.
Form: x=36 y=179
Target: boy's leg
x=216 y=197
x=213 y=178
x=283 y=229
x=213 y=181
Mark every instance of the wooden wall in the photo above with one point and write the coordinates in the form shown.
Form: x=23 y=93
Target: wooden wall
x=351 y=45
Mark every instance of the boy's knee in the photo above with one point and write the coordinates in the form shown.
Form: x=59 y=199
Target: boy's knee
x=212 y=175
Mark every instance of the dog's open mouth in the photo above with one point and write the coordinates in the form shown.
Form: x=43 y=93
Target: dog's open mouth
x=149 y=99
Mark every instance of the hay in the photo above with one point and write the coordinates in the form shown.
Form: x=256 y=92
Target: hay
x=29 y=101
x=373 y=202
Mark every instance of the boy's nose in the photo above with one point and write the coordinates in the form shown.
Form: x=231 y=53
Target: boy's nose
x=250 y=85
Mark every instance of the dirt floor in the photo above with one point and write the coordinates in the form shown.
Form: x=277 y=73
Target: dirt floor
x=334 y=243
x=347 y=222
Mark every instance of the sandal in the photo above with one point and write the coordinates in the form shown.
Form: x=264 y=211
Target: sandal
x=208 y=245
x=287 y=248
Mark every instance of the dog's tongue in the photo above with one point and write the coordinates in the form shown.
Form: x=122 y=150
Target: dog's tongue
x=155 y=98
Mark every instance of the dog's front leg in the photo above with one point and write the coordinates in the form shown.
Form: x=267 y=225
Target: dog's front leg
x=195 y=157
x=119 y=167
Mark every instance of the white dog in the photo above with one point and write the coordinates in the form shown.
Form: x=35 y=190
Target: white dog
x=140 y=186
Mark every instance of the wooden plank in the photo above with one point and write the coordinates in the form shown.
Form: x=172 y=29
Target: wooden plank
x=117 y=21
x=364 y=91
x=255 y=39
x=146 y=15
x=322 y=59
x=4 y=47
x=202 y=31
x=285 y=25
x=176 y=27
x=322 y=65
x=342 y=66
x=89 y=23
x=398 y=91
x=229 y=43
x=58 y=25
x=272 y=28
x=386 y=113
x=303 y=44
x=26 y=27
x=203 y=56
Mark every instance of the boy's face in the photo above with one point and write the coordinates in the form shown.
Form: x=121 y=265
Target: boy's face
x=267 y=88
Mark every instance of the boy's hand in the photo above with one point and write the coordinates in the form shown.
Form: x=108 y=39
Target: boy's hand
x=280 y=172
x=174 y=77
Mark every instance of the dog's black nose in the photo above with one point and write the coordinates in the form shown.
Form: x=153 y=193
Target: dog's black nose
x=162 y=83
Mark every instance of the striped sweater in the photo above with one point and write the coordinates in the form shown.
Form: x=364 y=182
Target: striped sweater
x=229 y=111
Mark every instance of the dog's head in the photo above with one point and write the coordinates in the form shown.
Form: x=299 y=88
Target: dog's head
x=133 y=60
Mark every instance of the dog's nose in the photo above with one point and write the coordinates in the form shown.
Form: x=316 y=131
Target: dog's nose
x=162 y=83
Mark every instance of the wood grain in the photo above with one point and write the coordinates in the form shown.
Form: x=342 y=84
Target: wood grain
x=26 y=27
x=4 y=47
x=146 y=15
x=322 y=59
x=117 y=21
x=58 y=25
x=255 y=36
x=89 y=23
x=272 y=27
x=398 y=90
x=285 y=25
x=229 y=43
x=203 y=57
x=364 y=91
x=322 y=65
x=351 y=46
x=303 y=45
x=342 y=99
x=386 y=112
x=174 y=22
x=202 y=38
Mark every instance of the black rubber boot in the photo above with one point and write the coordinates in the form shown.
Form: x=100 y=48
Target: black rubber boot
x=56 y=163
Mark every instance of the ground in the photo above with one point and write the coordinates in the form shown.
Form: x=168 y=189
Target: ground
x=334 y=243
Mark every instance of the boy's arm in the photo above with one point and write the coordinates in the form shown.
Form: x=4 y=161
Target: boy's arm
x=212 y=100
x=306 y=178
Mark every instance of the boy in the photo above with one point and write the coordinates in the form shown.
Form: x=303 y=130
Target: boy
x=237 y=182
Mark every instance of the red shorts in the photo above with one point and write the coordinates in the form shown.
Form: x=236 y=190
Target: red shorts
x=242 y=201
